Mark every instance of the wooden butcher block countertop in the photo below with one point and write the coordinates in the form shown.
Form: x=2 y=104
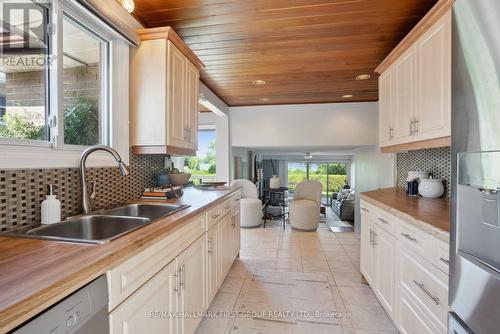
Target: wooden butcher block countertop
x=418 y=210
x=35 y=274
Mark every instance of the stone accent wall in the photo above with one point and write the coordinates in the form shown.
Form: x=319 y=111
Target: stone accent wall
x=437 y=161
x=22 y=191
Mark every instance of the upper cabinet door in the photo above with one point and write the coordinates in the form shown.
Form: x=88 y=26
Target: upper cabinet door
x=434 y=99
x=386 y=108
x=404 y=97
x=191 y=116
x=176 y=92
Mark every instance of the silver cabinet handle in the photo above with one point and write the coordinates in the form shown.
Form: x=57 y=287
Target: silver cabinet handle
x=182 y=275
x=215 y=216
x=444 y=260
x=422 y=287
x=383 y=220
x=409 y=237
x=391 y=132
x=177 y=281
x=374 y=240
x=415 y=128
x=210 y=246
x=411 y=127
x=365 y=209
x=371 y=237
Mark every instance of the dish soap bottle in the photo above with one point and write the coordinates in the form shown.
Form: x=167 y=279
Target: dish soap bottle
x=51 y=208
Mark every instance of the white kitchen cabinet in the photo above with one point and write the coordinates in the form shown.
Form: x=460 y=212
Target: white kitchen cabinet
x=191 y=266
x=386 y=108
x=404 y=97
x=413 y=321
x=415 y=90
x=164 y=94
x=226 y=245
x=398 y=261
x=191 y=111
x=176 y=97
x=213 y=279
x=367 y=253
x=146 y=311
x=180 y=273
x=235 y=225
x=385 y=246
x=433 y=114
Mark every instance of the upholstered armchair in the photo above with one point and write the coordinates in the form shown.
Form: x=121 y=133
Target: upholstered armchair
x=304 y=208
x=250 y=204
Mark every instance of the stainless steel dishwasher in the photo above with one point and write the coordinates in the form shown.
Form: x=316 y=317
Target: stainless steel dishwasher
x=83 y=312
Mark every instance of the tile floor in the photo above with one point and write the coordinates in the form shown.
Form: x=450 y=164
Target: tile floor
x=296 y=282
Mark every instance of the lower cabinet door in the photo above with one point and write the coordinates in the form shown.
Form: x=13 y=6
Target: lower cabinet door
x=235 y=224
x=386 y=250
x=226 y=248
x=367 y=251
x=147 y=310
x=192 y=281
x=213 y=280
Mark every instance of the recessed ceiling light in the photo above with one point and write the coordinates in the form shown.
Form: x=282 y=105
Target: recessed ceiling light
x=363 y=77
x=347 y=96
x=128 y=5
x=258 y=82
x=263 y=99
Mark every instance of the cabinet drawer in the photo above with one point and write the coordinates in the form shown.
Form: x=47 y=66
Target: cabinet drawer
x=127 y=277
x=414 y=238
x=387 y=221
x=367 y=209
x=412 y=321
x=214 y=215
x=427 y=285
x=441 y=255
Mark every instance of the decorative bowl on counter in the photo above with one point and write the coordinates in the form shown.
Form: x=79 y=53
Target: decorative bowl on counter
x=179 y=179
x=431 y=188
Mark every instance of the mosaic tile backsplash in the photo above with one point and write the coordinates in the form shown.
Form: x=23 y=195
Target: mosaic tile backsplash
x=437 y=161
x=22 y=191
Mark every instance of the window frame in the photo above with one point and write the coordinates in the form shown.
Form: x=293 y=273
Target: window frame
x=25 y=153
x=82 y=21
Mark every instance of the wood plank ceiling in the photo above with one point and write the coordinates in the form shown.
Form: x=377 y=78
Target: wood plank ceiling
x=307 y=51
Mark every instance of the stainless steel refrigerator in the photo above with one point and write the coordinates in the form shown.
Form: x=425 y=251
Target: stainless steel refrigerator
x=475 y=197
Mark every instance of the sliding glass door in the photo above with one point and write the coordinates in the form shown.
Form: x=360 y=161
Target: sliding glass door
x=332 y=175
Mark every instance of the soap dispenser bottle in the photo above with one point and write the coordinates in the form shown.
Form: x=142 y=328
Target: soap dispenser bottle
x=51 y=208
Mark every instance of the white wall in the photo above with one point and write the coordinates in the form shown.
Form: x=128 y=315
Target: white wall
x=317 y=125
x=206 y=119
x=373 y=170
x=222 y=148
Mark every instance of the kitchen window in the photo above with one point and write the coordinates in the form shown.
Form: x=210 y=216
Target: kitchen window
x=60 y=67
x=85 y=78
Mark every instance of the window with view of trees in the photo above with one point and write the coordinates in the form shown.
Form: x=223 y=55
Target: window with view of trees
x=333 y=176
x=28 y=88
x=203 y=166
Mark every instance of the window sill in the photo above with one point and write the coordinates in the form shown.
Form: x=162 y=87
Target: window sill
x=24 y=157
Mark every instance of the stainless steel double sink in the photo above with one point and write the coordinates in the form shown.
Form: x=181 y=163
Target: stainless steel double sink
x=101 y=226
